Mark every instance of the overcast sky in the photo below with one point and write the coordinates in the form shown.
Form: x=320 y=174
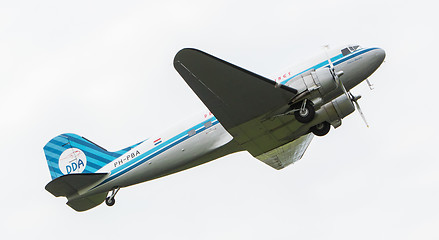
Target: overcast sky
x=103 y=70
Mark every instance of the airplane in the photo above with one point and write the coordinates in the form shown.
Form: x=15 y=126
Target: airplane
x=273 y=119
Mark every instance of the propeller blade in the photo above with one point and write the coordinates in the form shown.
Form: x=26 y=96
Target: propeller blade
x=354 y=100
x=329 y=59
x=340 y=83
x=335 y=74
x=342 y=86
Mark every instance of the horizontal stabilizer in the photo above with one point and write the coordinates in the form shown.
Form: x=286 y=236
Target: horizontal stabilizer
x=70 y=184
x=86 y=203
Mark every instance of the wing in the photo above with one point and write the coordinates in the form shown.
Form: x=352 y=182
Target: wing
x=242 y=101
x=234 y=95
x=287 y=154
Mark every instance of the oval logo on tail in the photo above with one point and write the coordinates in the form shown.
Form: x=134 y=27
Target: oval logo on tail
x=72 y=160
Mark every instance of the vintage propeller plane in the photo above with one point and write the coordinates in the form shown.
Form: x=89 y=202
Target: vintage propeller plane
x=274 y=120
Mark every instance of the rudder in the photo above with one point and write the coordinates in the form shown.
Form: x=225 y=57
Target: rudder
x=69 y=153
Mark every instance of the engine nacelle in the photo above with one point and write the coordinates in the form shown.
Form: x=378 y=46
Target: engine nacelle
x=319 y=87
x=325 y=80
x=337 y=109
x=332 y=112
x=314 y=85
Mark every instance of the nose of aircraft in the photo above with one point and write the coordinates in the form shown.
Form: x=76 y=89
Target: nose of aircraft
x=380 y=55
x=360 y=70
x=375 y=60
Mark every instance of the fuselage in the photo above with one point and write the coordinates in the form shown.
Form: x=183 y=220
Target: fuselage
x=202 y=138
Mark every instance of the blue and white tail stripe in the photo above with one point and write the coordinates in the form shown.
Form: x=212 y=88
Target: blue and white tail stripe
x=70 y=153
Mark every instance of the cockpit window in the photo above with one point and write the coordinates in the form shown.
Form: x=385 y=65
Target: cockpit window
x=353 y=48
x=345 y=51
x=350 y=49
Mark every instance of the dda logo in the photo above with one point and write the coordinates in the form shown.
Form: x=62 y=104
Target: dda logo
x=72 y=160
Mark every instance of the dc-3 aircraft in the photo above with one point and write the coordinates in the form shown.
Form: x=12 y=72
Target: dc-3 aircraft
x=274 y=120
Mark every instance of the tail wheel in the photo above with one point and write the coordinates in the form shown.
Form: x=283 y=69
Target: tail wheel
x=110 y=201
x=305 y=113
x=321 y=129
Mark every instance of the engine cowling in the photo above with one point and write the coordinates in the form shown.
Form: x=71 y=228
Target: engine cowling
x=338 y=109
x=329 y=101
x=325 y=80
x=314 y=85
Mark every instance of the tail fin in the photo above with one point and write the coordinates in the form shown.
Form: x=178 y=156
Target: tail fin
x=70 y=153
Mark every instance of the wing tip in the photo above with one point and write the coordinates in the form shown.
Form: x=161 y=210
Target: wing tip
x=181 y=54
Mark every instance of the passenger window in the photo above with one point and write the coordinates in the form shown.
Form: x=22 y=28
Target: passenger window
x=191 y=132
x=208 y=124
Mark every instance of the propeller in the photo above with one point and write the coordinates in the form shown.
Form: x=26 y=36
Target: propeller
x=336 y=76
x=354 y=99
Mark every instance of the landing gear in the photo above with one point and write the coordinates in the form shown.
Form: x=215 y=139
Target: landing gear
x=321 y=129
x=305 y=113
x=110 y=201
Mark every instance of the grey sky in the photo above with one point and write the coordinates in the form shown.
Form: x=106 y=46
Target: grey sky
x=103 y=70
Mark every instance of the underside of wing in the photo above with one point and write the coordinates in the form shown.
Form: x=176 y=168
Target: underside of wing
x=246 y=104
x=287 y=154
